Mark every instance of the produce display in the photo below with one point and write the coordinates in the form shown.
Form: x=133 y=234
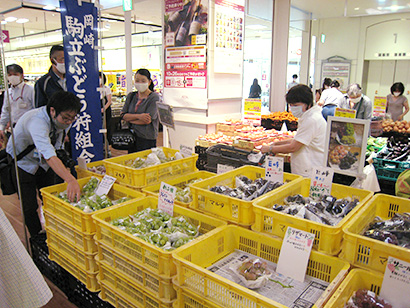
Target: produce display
x=98 y=169
x=156 y=157
x=402 y=127
x=397 y=149
x=280 y=116
x=246 y=189
x=374 y=145
x=158 y=228
x=328 y=210
x=184 y=194
x=89 y=200
x=394 y=231
x=366 y=299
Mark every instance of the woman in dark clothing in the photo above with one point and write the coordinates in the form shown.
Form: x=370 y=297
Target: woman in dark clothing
x=256 y=90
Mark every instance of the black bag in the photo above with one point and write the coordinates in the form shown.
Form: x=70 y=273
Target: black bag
x=121 y=138
x=7 y=178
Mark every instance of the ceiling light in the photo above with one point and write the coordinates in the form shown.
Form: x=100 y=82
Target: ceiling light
x=10 y=19
x=22 y=20
x=49 y=7
x=3 y=22
x=256 y=27
x=356 y=8
x=394 y=7
x=58 y=9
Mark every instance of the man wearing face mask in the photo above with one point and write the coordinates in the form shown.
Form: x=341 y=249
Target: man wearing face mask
x=307 y=148
x=354 y=99
x=43 y=130
x=54 y=80
x=20 y=100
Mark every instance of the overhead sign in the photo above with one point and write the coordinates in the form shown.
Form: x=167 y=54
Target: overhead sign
x=127 y=5
x=5 y=36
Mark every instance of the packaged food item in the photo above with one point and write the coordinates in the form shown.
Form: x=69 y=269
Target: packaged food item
x=366 y=299
x=253 y=273
x=156 y=157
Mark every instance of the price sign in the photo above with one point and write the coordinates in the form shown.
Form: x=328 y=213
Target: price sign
x=396 y=283
x=186 y=151
x=166 y=198
x=252 y=114
x=223 y=168
x=274 y=169
x=379 y=106
x=321 y=181
x=294 y=254
x=105 y=185
x=345 y=113
x=82 y=163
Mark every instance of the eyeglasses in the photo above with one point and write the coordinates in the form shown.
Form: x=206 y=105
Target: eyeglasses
x=68 y=118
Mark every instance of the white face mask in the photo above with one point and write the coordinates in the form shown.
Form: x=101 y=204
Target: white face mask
x=297 y=111
x=396 y=94
x=60 y=67
x=15 y=80
x=141 y=87
x=355 y=100
x=60 y=125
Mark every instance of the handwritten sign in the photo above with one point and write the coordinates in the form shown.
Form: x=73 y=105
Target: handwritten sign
x=294 y=254
x=274 y=169
x=396 y=283
x=223 y=168
x=321 y=181
x=379 y=106
x=166 y=198
x=345 y=113
x=82 y=163
x=252 y=114
x=186 y=151
x=105 y=185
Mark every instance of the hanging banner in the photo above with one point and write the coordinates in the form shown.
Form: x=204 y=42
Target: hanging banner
x=79 y=27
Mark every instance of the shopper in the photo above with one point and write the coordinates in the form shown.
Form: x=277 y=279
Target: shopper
x=255 y=91
x=294 y=82
x=44 y=128
x=54 y=80
x=20 y=99
x=106 y=102
x=396 y=101
x=318 y=93
x=354 y=99
x=326 y=83
x=308 y=146
x=329 y=99
x=140 y=110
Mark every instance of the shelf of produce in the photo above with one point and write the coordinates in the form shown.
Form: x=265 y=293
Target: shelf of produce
x=192 y=275
x=368 y=253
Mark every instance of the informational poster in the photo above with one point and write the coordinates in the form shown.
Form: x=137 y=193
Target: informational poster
x=336 y=70
x=252 y=114
x=345 y=113
x=379 y=106
x=228 y=36
x=79 y=27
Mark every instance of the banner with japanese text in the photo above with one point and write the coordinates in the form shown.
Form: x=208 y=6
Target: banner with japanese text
x=80 y=38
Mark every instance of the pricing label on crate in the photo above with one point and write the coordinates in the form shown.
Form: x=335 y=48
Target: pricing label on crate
x=166 y=198
x=321 y=181
x=396 y=283
x=82 y=163
x=274 y=169
x=105 y=185
x=223 y=168
x=186 y=151
x=294 y=254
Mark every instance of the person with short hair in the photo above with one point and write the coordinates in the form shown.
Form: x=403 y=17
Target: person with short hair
x=294 y=82
x=44 y=129
x=54 y=80
x=307 y=148
x=355 y=99
x=396 y=101
x=20 y=100
x=329 y=99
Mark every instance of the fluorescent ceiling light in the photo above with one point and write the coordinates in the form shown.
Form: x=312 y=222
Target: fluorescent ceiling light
x=10 y=19
x=22 y=20
x=256 y=27
x=356 y=8
x=3 y=22
x=49 y=7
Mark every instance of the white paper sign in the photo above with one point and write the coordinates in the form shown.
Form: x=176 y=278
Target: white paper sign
x=223 y=168
x=274 y=169
x=166 y=198
x=82 y=163
x=105 y=185
x=396 y=283
x=321 y=181
x=294 y=254
x=186 y=151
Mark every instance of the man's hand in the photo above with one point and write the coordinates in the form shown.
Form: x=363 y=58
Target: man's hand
x=73 y=191
x=145 y=118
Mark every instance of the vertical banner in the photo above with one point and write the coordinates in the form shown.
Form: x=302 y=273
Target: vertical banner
x=80 y=37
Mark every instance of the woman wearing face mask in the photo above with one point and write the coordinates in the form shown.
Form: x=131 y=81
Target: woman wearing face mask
x=354 y=99
x=308 y=146
x=396 y=101
x=20 y=100
x=140 y=110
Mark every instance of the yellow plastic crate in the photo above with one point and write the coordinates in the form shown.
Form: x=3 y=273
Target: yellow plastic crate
x=355 y=280
x=369 y=253
x=76 y=238
x=232 y=209
x=328 y=239
x=138 y=276
x=137 y=250
x=135 y=296
x=83 y=173
x=180 y=181
x=88 y=279
x=193 y=259
x=75 y=217
x=186 y=299
x=113 y=298
x=85 y=261
x=139 y=178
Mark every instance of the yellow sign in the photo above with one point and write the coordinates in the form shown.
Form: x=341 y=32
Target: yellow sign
x=252 y=111
x=345 y=113
x=380 y=101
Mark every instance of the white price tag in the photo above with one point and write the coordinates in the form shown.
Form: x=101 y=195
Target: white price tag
x=321 y=181
x=396 y=283
x=274 y=169
x=223 y=168
x=82 y=163
x=166 y=198
x=105 y=185
x=294 y=253
x=186 y=151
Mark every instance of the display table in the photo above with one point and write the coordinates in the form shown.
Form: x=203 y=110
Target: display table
x=21 y=283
